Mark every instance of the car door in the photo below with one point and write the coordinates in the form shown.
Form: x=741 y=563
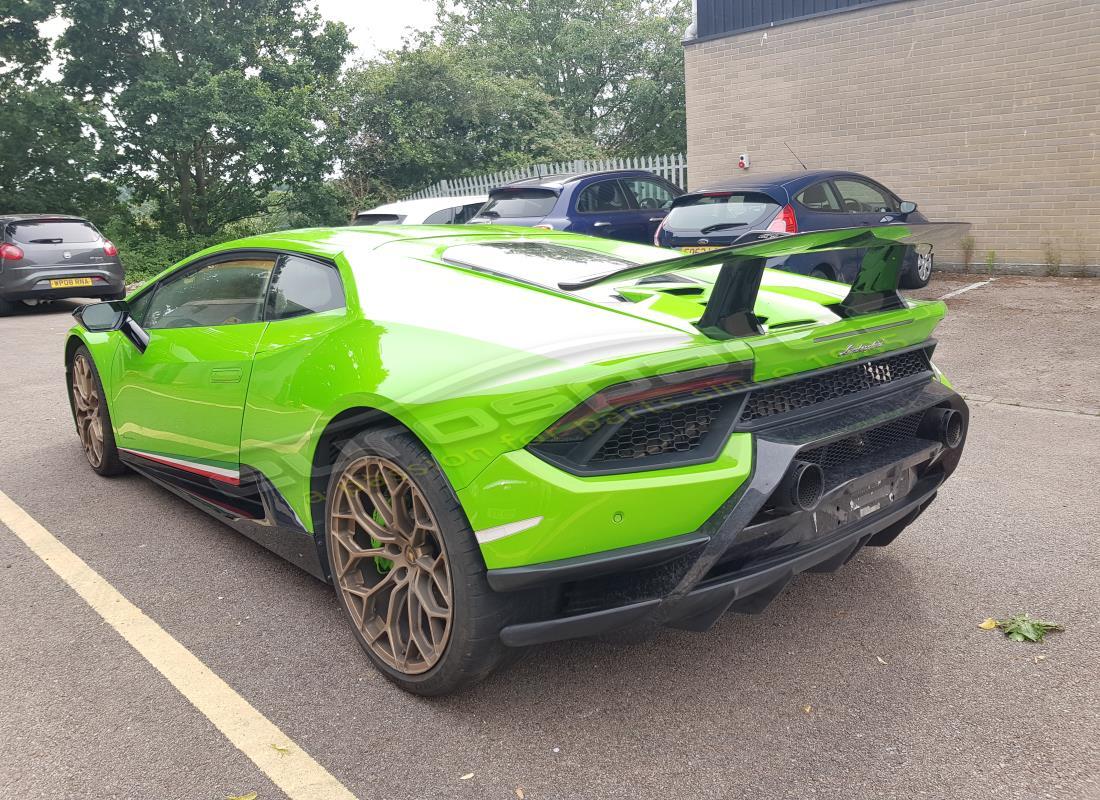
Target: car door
x=863 y=203
x=653 y=198
x=182 y=399
x=603 y=208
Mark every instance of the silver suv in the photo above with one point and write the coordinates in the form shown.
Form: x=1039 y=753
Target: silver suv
x=48 y=256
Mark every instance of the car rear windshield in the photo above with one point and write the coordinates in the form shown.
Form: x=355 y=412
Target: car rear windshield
x=379 y=219
x=711 y=213
x=62 y=231
x=511 y=203
x=535 y=262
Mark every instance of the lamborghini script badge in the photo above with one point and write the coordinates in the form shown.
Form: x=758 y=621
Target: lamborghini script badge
x=855 y=349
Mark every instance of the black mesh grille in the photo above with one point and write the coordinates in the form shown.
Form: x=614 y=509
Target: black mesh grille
x=654 y=433
x=806 y=392
x=864 y=443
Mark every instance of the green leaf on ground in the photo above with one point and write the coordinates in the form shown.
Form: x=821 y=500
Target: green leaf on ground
x=1021 y=627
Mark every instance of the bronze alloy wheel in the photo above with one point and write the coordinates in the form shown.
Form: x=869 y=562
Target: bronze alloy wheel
x=390 y=564
x=86 y=402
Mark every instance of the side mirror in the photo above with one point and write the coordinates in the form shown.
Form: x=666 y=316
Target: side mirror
x=114 y=315
x=907 y=207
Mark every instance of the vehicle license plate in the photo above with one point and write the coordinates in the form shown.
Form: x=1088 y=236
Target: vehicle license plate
x=66 y=283
x=691 y=250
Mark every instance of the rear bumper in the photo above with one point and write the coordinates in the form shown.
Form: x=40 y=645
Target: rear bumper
x=34 y=283
x=746 y=552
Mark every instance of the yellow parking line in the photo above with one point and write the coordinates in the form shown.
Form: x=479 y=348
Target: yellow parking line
x=287 y=765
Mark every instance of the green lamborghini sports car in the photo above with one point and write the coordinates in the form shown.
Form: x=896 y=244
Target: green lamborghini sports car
x=489 y=437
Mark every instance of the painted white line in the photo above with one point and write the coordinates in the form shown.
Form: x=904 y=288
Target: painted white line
x=507 y=529
x=287 y=765
x=957 y=292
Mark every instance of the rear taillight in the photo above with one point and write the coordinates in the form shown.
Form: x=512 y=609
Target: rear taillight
x=109 y=248
x=657 y=233
x=10 y=252
x=784 y=221
x=625 y=400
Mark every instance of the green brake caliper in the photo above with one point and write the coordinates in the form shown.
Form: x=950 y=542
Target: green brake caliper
x=383 y=565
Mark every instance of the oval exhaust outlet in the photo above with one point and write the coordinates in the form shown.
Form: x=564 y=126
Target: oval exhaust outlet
x=943 y=425
x=801 y=488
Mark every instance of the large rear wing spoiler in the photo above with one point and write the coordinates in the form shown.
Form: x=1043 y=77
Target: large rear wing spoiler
x=729 y=312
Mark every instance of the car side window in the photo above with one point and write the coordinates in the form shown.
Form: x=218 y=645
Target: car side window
x=649 y=194
x=140 y=306
x=467 y=212
x=304 y=286
x=229 y=292
x=444 y=216
x=603 y=197
x=819 y=197
x=858 y=197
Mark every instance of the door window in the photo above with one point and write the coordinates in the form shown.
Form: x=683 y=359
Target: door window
x=227 y=292
x=649 y=194
x=603 y=197
x=445 y=216
x=304 y=286
x=467 y=212
x=819 y=197
x=858 y=197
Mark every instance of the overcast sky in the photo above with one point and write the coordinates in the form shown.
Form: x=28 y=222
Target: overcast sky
x=379 y=24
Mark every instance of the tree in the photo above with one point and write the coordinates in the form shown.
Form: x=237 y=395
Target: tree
x=431 y=111
x=48 y=142
x=208 y=105
x=614 y=67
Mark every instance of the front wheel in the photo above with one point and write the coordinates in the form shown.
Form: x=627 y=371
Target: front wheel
x=93 y=420
x=407 y=569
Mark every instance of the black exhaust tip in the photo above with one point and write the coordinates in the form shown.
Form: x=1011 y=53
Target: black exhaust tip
x=801 y=488
x=943 y=425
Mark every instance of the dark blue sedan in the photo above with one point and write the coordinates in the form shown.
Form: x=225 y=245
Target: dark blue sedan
x=624 y=204
x=811 y=200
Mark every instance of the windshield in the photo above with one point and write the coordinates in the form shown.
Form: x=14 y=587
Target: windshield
x=379 y=219
x=509 y=203
x=535 y=262
x=707 y=213
x=53 y=232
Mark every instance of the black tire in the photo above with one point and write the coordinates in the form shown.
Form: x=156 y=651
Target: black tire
x=105 y=462
x=473 y=648
x=918 y=274
x=8 y=307
x=822 y=272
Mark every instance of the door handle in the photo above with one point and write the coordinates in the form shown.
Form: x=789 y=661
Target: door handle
x=226 y=375
x=600 y=224
x=655 y=219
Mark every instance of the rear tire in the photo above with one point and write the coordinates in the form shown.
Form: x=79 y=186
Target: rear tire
x=918 y=275
x=8 y=307
x=400 y=548
x=90 y=413
x=822 y=272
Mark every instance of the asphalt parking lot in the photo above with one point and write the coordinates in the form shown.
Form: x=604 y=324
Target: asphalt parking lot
x=873 y=682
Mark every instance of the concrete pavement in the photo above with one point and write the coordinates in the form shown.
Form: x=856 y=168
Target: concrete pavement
x=953 y=712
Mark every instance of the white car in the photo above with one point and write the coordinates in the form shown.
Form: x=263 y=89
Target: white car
x=432 y=211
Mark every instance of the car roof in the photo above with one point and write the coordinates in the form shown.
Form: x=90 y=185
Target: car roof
x=428 y=204
x=560 y=179
x=34 y=217
x=787 y=180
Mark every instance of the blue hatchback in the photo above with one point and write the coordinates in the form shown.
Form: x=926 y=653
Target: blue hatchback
x=626 y=204
x=812 y=200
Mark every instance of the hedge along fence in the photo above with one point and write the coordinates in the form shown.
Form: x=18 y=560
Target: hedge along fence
x=670 y=167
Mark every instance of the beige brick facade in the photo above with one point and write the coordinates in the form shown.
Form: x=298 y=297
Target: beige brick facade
x=979 y=110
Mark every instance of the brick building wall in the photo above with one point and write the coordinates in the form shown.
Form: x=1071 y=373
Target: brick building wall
x=980 y=110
